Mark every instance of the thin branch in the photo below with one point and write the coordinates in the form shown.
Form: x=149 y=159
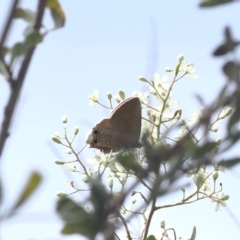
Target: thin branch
x=8 y=24
x=17 y=85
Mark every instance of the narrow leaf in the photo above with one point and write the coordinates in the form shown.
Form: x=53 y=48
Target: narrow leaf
x=25 y=14
x=212 y=3
x=231 y=70
x=194 y=234
x=31 y=186
x=230 y=163
x=57 y=13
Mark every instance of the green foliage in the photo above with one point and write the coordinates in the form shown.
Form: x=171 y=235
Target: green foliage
x=228 y=46
x=213 y=3
x=30 y=187
x=89 y=224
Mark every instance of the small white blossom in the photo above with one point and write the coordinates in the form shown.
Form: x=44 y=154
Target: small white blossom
x=68 y=150
x=187 y=68
x=159 y=85
x=105 y=160
x=93 y=98
x=220 y=200
x=71 y=168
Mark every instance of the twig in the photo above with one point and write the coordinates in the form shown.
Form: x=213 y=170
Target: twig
x=16 y=85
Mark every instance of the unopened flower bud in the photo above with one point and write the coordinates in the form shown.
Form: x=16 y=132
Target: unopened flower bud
x=109 y=96
x=61 y=194
x=59 y=162
x=225 y=197
x=64 y=119
x=214 y=128
x=75 y=130
x=162 y=224
x=168 y=70
x=225 y=112
x=56 y=140
x=85 y=178
x=218 y=141
x=110 y=182
x=121 y=93
x=89 y=137
x=199 y=180
x=143 y=79
x=180 y=58
x=215 y=175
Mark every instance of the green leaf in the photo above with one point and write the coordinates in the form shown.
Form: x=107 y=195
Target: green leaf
x=228 y=46
x=151 y=237
x=30 y=41
x=25 y=14
x=5 y=51
x=57 y=13
x=194 y=234
x=231 y=70
x=128 y=161
x=31 y=186
x=230 y=163
x=211 y=3
x=206 y=148
x=3 y=70
x=77 y=220
x=234 y=119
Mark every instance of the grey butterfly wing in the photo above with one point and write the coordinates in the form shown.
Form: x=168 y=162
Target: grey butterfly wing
x=126 y=120
x=121 y=130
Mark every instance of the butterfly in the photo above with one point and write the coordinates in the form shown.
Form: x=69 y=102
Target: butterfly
x=121 y=130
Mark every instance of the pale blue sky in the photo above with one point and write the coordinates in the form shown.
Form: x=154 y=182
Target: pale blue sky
x=107 y=45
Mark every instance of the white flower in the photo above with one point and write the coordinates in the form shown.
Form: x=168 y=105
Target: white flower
x=187 y=68
x=159 y=85
x=105 y=160
x=68 y=150
x=70 y=167
x=93 y=98
x=195 y=117
x=220 y=200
